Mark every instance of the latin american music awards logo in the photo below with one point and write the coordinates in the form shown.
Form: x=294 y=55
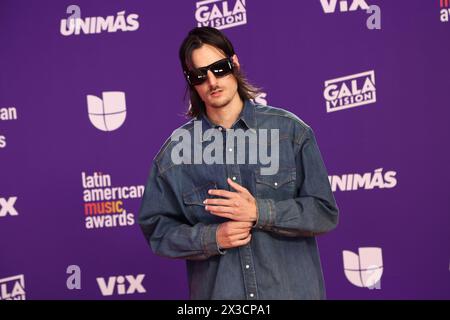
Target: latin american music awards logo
x=105 y=205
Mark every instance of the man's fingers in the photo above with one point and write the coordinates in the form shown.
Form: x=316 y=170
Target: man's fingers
x=242 y=242
x=238 y=232
x=239 y=236
x=220 y=209
x=220 y=202
x=236 y=186
x=240 y=224
x=221 y=214
x=222 y=193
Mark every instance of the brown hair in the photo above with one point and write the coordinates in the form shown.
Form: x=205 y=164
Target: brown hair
x=196 y=38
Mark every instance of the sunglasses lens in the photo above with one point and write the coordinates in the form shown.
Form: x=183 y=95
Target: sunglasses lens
x=219 y=69
x=196 y=76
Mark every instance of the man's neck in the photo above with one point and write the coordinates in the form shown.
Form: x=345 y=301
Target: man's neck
x=227 y=115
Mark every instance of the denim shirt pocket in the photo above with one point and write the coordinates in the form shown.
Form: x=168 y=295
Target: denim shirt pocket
x=279 y=186
x=193 y=202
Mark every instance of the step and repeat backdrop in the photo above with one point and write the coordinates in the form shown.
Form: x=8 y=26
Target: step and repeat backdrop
x=90 y=90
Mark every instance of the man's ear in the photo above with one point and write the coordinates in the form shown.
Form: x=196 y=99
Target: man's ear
x=235 y=60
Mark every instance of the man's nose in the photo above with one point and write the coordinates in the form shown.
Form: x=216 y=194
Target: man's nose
x=212 y=80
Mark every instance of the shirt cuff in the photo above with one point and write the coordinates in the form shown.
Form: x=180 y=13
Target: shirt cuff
x=266 y=213
x=209 y=240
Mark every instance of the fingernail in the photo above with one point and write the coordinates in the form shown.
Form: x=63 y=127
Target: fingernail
x=206 y=207
x=209 y=191
x=204 y=201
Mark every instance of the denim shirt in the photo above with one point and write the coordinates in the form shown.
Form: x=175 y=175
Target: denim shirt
x=294 y=205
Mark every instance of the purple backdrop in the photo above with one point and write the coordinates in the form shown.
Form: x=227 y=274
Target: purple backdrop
x=290 y=49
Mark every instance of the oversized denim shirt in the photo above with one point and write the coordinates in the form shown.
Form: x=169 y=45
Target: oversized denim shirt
x=294 y=205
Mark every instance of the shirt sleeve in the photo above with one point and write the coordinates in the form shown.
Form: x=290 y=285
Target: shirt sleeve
x=314 y=210
x=167 y=231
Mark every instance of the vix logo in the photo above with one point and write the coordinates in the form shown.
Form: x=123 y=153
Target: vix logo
x=12 y=288
x=117 y=284
x=364 y=270
x=109 y=113
x=7 y=207
x=329 y=6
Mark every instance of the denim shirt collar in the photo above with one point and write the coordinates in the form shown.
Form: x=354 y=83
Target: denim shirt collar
x=247 y=117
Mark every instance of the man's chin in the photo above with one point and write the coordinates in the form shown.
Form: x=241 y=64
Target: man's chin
x=218 y=106
x=218 y=103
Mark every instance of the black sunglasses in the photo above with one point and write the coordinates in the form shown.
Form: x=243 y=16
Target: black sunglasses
x=219 y=69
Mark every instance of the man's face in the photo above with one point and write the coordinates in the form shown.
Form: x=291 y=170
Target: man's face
x=215 y=92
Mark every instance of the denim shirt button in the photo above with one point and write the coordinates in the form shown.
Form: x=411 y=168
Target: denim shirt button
x=234 y=178
x=251 y=295
x=247 y=266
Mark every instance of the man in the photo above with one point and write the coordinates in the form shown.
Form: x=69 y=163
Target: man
x=245 y=234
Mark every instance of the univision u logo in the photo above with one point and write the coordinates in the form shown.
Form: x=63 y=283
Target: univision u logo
x=108 y=113
x=364 y=270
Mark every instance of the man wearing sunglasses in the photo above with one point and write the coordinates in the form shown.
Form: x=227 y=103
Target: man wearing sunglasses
x=243 y=234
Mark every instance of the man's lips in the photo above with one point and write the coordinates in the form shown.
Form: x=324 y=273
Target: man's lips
x=216 y=93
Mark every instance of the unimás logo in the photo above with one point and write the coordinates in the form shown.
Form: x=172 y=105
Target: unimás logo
x=7 y=207
x=445 y=10
x=330 y=6
x=350 y=91
x=12 y=288
x=104 y=204
x=220 y=14
x=75 y=24
x=367 y=181
x=364 y=269
x=121 y=285
x=109 y=112
x=6 y=114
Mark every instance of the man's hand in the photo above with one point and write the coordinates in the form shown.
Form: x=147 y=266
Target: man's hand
x=233 y=234
x=237 y=206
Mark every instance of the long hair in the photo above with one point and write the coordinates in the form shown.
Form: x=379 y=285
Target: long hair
x=196 y=38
